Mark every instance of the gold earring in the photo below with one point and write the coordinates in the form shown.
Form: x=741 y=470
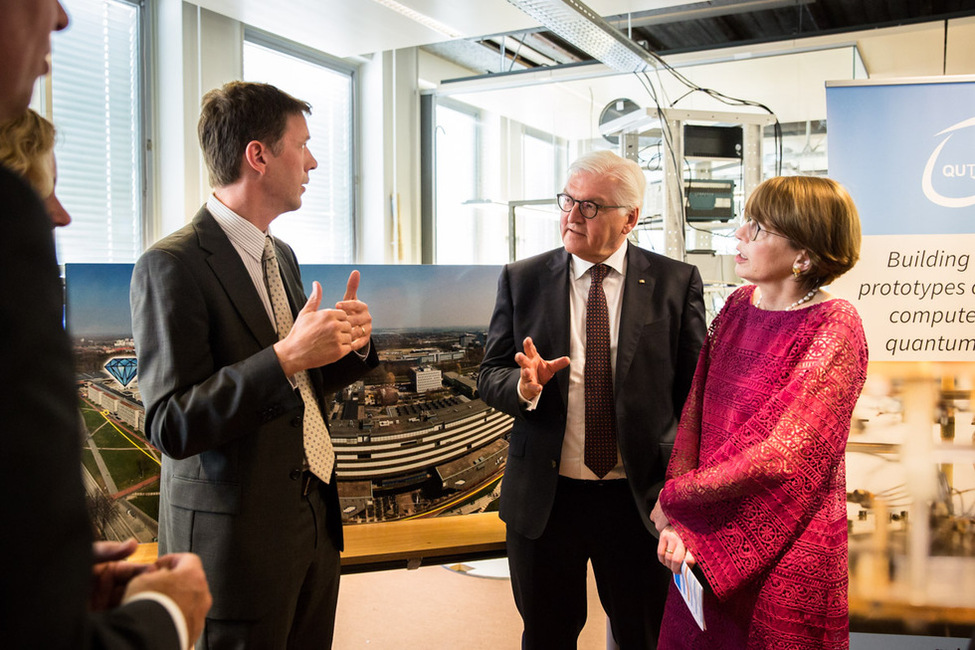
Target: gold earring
x=796 y=271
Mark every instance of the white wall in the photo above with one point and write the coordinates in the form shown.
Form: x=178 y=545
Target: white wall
x=389 y=177
x=195 y=50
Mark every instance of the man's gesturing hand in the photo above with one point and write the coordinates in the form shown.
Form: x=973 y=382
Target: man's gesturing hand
x=536 y=371
x=357 y=311
x=318 y=337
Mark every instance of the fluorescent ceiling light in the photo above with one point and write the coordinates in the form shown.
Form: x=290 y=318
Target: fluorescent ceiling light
x=709 y=9
x=423 y=19
x=585 y=29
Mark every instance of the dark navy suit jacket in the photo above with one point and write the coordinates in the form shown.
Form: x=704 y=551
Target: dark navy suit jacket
x=46 y=543
x=662 y=327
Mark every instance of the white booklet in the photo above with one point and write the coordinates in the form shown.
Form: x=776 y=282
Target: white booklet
x=692 y=591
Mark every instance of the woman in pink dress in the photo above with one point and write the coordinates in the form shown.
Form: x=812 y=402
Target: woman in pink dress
x=756 y=490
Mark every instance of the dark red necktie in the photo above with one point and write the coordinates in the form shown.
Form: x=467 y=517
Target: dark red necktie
x=598 y=380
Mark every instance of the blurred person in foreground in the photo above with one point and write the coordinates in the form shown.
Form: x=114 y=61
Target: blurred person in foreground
x=591 y=349
x=58 y=591
x=756 y=489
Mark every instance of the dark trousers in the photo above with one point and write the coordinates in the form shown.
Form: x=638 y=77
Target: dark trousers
x=591 y=521
x=304 y=621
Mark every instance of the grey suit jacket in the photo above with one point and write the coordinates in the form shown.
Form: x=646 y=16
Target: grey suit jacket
x=222 y=411
x=662 y=328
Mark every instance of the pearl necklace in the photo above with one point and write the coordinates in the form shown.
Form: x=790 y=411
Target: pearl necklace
x=805 y=298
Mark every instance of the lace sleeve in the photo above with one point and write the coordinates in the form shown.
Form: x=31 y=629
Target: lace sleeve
x=764 y=482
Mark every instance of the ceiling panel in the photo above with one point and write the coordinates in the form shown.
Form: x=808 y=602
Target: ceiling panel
x=723 y=23
x=345 y=28
x=341 y=28
x=570 y=109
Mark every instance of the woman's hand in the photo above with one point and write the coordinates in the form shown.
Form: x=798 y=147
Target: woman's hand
x=658 y=517
x=671 y=550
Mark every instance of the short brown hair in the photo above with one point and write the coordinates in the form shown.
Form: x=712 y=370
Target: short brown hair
x=818 y=215
x=238 y=113
x=25 y=141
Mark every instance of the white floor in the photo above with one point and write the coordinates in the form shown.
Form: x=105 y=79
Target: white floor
x=467 y=606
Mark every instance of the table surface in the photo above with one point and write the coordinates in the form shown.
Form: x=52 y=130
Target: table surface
x=407 y=543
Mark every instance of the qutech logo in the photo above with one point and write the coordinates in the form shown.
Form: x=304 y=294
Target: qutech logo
x=951 y=169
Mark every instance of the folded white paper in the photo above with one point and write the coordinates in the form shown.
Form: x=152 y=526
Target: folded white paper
x=692 y=591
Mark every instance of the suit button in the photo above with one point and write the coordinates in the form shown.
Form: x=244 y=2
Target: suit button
x=296 y=421
x=295 y=474
x=553 y=464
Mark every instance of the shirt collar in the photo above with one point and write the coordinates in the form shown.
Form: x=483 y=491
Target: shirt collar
x=616 y=261
x=240 y=231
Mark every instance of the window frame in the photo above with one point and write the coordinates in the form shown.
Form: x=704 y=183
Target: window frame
x=309 y=55
x=476 y=116
x=43 y=103
x=560 y=159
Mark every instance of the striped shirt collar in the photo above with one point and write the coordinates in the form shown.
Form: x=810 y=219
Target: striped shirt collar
x=245 y=236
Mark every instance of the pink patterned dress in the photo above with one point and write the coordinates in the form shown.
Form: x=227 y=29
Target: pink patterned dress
x=757 y=480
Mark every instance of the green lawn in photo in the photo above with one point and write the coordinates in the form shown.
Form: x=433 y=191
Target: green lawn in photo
x=88 y=460
x=148 y=504
x=130 y=467
x=126 y=456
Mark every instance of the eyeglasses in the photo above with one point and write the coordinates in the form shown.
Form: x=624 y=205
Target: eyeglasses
x=588 y=209
x=753 y=228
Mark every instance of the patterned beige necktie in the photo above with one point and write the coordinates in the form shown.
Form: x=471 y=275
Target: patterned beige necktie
x=318 y=444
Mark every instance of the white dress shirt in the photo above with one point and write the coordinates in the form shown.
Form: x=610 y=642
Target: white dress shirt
x=248 y=240
x=573 y=463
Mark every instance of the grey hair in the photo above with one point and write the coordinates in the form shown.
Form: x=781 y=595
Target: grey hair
x=632 y=183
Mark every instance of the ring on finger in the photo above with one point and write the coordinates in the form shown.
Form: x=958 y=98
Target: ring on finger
x=669 y=551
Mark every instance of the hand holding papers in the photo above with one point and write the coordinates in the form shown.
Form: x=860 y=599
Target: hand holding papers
x=690 y=588
x=674 y=555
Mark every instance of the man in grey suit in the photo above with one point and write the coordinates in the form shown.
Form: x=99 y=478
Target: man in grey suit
x=591 y=349
x=233 y=392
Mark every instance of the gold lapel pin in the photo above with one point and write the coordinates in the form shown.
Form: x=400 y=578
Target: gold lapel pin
x=642 y=281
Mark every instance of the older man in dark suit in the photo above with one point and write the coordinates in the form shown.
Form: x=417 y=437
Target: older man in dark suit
x=233 y=366
x=591 y=348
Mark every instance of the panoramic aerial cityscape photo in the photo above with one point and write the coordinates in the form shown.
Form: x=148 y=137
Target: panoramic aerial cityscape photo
x=412 y=438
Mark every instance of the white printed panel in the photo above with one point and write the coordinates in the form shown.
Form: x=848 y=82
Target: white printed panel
x=916 y=296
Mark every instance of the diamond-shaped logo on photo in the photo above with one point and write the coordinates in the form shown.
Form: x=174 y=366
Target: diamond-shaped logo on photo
x=123 y=369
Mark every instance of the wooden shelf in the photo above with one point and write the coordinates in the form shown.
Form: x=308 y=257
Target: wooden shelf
x=408 y=544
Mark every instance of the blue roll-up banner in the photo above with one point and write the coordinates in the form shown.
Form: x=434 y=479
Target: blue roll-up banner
x=905 y=149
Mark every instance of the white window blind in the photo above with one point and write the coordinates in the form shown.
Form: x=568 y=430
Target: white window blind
x=469 y=228
x=323 y=230
x=473 y=224
x=543 y=165
x=96 y=107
